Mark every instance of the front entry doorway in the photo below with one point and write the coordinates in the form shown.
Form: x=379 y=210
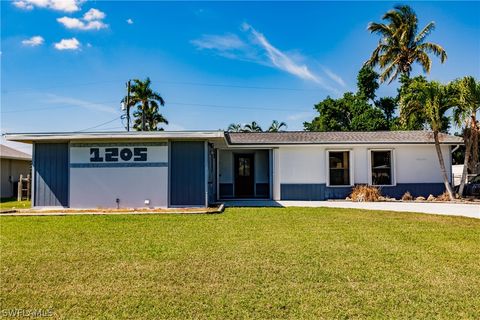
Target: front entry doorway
x=244 y=176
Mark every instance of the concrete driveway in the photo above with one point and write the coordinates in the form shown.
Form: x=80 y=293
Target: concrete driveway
x=450 y=209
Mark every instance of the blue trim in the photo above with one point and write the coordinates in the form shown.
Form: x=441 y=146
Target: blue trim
x=319 y=192
x=118 y=144
x=119 y=165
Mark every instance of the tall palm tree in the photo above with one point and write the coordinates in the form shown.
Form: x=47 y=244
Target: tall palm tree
x=277 y=126
x=252 y=127
x=465 y=115
x=147 y=102
x=401 y=44
x=235 y=127
x=152 y=118
x=432 y=99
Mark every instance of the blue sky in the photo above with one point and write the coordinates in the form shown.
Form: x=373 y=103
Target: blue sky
x=64 y=63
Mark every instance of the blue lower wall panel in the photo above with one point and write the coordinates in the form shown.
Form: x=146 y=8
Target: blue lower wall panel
x=308 y=191
x=337 y=192
x=262 y=190
x=226 y=190
x=416 y=189
x=311 y=192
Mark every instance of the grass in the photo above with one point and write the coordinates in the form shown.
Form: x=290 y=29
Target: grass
x=12 y=203
x=246 y=263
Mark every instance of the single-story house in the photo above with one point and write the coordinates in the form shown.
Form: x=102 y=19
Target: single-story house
x=196 y=168
x=13 y=163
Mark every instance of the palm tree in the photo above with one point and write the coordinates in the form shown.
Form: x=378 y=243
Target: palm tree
x=152 y=118
x=147 y=102
x=252 y=127
x=235 y=127
x=465 y=114
x=277 y=126
x=432 y=99
x=401 y=45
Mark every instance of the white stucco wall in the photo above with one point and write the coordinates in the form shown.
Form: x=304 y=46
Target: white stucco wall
x=305 y=164
x=99 y=187
x=412 y=163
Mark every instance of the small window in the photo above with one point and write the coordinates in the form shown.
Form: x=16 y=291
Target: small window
x=243 y=167
x=339 y=168
x=381 y=162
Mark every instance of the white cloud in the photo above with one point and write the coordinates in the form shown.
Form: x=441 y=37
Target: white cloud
x=59 y=5
x=33 y=41
x=228 y=46
x=94 y=14
x=335 y=77
x=129 y=21
x=54 y=99
x=92 y=20
x=257 y=49
x=68 y=44
x=219 y=42
x=281 y=60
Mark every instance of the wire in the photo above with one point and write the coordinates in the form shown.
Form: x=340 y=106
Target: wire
x=101 y=124
x=186 y=104
x=202 y=84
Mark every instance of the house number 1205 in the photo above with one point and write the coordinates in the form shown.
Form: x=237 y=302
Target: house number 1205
x=116 y=154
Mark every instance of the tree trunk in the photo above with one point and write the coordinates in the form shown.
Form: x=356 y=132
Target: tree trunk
x=468 y=146
x=448 y=187
x=143 y=116
x=474 y=133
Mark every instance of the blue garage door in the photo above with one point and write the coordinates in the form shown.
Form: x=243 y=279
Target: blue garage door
x=50 y=165
x=187 y=173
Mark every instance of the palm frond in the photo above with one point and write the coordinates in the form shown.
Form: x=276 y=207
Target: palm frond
x=425 y=32
x=434 y=48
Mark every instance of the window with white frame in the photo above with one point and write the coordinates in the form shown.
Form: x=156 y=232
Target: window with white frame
x=381 y=167
x=339 y=168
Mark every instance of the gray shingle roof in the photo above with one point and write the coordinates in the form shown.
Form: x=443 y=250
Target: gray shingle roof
x=9 y=153
x=374 y=137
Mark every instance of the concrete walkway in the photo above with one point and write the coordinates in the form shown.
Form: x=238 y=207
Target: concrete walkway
x=450 y=209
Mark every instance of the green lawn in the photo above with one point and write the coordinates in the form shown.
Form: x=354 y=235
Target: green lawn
x=245 y=263
x=12 y=203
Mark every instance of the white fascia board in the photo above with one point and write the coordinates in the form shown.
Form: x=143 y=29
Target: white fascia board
x=50 y=137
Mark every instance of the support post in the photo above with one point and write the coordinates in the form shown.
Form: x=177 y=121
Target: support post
x=19 y=188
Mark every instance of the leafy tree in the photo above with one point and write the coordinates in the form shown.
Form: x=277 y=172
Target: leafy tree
x=432 y=100
x=277 y=126
x=465 y=115
x=401 y=45
x=388 y=105
x=252 y=127
x=235 y=127
x=367 y=82
x=349 y=113
x=147 y=101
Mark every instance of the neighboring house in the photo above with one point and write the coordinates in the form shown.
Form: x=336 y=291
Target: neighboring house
x=178 y=169
x=13 y=163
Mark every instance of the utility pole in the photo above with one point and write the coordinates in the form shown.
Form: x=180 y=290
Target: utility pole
x=128 y=105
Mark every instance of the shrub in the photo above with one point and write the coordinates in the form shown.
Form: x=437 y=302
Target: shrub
x=407 y=196
x=362 y=193
x=443 y=197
